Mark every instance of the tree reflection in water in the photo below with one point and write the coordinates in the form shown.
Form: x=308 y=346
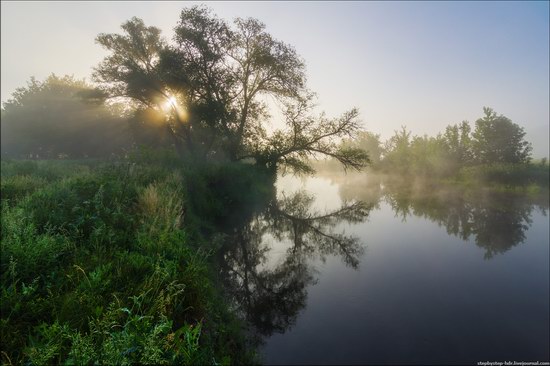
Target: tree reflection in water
x=495 y=220
x=270 y=295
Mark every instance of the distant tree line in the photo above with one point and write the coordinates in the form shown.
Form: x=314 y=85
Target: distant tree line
x=495 y=139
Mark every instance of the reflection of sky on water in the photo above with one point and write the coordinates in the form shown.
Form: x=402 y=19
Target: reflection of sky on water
x=421 y=295
x=328 y=200
x=421 y=292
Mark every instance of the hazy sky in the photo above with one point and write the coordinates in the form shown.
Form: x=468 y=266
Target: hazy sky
x=420 y=64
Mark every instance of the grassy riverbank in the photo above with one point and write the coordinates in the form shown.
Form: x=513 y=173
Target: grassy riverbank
x=112 y=262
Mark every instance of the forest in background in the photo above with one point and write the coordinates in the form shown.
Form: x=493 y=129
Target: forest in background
x=493 y=153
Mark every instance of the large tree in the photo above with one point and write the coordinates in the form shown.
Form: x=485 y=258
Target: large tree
x=211 y=84
x=496 y=139
x=60 y=116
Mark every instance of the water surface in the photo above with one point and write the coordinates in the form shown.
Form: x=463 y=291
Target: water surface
x=359 y=271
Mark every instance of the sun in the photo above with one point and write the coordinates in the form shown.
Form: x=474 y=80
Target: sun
x=171 y=102
x=172 y=106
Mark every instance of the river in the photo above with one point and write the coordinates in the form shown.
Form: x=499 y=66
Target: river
x=352 y=270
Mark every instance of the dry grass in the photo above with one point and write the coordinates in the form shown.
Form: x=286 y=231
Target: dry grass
x=161 y=205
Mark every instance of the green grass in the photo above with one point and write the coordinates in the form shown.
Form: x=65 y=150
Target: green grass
x=103 y=263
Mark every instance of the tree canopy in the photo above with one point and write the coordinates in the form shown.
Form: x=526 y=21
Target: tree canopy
x=211 y=85
x=60 y=116
x=496 y=139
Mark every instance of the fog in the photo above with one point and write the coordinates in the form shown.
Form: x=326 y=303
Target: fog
x=465 y=56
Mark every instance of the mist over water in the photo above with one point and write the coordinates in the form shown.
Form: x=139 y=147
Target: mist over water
x=415 y=274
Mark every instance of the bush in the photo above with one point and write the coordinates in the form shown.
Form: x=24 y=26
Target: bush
x=215 y=191
x=506 y=174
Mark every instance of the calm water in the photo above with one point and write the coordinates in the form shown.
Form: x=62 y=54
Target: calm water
x=358 y=271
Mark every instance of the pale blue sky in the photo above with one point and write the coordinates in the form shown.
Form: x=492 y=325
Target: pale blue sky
x=420 y=64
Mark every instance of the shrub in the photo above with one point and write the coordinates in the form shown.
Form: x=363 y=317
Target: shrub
x=506 y=174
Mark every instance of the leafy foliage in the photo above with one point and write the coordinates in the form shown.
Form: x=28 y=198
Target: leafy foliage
x=60 y=117
x=206 y=92
x=497 y=139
